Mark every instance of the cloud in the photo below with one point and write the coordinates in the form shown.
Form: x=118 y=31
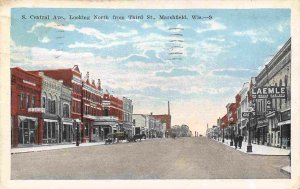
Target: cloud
x=282 y=26
x=57 y=26
x=145 y=25
x=177 y=72
x=97 y=45
x=211 y=25
x=34 y=27
x=161 y=25
x=234 y=72
x=86 y=31
x=257 y=35
x=44 y=40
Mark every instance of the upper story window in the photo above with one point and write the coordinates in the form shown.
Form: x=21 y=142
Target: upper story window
x=66 y=110
x=21 y=101
x=105 y=111
x=33 y=101
x=43 y=102
x=27 y=102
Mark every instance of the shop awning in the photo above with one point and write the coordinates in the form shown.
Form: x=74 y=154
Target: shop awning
x=284 y=122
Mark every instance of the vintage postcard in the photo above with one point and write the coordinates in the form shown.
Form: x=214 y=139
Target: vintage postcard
x=141 y=93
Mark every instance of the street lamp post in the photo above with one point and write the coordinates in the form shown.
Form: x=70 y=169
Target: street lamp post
x=231 y=137
x=77 y=133
x=223 y=125
x=249 y=146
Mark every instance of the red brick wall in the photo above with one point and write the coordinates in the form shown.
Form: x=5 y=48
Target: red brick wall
x=165 y=119
x=18 y=86
x=224 y=120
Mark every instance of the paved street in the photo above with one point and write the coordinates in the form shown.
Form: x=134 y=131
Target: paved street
x=180 y=158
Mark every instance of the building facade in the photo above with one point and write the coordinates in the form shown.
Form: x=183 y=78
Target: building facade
x=128 y=110
x=243 y=108
x=274 y=114
x=26 y=110
x=71 y=77
x=139 y=123
x=50 y=101
x=65 y=114
x=91 y=108
x=112 y=116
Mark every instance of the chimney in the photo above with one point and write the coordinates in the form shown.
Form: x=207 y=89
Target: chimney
x=168 y=108
x=87 y=76
x=99 y=84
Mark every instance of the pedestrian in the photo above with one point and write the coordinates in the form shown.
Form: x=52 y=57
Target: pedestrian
x=241 y=138
x=235 y=138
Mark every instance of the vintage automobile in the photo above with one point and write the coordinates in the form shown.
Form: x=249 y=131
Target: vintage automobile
x=109 y=139
x=116 y=137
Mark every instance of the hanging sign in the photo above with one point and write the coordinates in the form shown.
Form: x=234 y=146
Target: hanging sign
x=265 y=92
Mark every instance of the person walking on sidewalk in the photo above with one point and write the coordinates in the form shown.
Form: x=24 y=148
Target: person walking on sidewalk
x=240 y=139
x=236 y=139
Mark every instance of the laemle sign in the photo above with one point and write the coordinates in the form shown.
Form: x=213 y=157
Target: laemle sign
x=265 y=92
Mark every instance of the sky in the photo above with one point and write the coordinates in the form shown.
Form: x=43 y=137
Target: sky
x=199 y=65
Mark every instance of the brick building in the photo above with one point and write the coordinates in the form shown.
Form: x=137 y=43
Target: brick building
x=26 y=110
x=112 y=115
x=232 y=118
x=71 y=77
x=165 y=119
x=91 y=100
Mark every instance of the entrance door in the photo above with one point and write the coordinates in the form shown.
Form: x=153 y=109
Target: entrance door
x=106 y=131
x=26 y=131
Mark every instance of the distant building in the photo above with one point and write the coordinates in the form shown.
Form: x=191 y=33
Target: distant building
x=112 y=117
x=139 y=123
x=165 y=118
x=128 y=110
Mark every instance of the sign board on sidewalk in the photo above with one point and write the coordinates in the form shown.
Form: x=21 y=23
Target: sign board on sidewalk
x=246 y=114
x=272 y=92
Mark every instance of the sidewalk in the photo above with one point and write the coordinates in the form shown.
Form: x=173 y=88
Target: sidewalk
x=56 y=147
x=286 y=170
x=51 y=147
x=260 y=149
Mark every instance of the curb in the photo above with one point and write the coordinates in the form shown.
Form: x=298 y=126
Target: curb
x=250 y=153
x=284 y=171
x=34 y=150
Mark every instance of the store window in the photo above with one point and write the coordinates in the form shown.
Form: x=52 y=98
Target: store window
x=48 y=105
x=27 y=102
x=66 y=110
x=27 y=132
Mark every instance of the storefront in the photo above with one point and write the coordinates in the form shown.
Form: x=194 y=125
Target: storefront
x=27 y=130
x=102 y=126
x=285 y=127
x=262 y=130
x=67 y=130
x=244 y=131
x=50 y=131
